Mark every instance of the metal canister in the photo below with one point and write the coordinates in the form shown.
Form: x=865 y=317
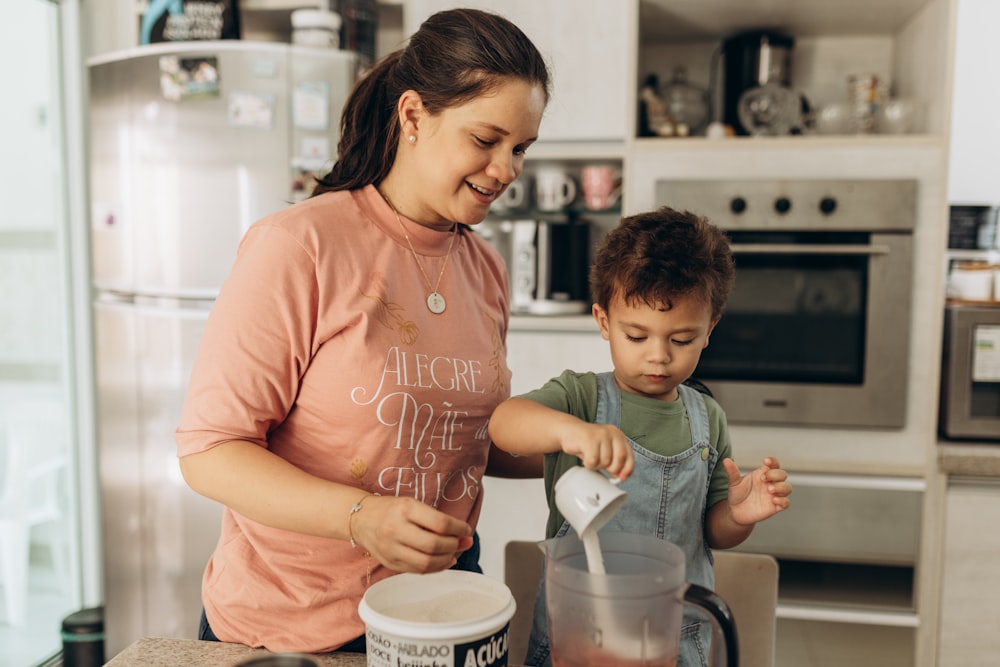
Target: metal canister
x=83 y=638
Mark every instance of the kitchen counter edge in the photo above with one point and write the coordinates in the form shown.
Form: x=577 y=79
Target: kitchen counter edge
x=969 y=459
x=168 y=652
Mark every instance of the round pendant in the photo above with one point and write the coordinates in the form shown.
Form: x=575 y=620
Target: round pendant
x=435 y=302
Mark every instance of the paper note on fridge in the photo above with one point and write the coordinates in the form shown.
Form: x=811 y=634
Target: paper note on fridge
x=251 y=110
x=986 y=354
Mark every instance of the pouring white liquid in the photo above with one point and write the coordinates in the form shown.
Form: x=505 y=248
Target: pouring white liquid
x=592 y=549
x=588 y=500
x=620 y=645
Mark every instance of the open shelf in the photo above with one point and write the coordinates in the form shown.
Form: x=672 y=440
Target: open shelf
x=847 y=593
x=670 y=19
x=823 y=644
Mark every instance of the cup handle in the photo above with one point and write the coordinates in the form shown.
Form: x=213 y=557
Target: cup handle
x=615 y=195
x=569 y=191
x=720 y=614
x=515 y=194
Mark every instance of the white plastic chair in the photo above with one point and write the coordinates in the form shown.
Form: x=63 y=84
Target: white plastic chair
x=748 y=582
x=522 y=571
x=31 y=477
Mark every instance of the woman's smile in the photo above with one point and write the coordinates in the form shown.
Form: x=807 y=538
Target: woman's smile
x=483 y=195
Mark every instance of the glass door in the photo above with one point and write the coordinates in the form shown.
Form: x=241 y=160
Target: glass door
x=44 y=427
x=797 y=312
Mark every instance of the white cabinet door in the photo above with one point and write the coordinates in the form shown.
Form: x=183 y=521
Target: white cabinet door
x=515 y=509
x=975 y=97
x=535 y=357
x=970 y=605
x=587 y=45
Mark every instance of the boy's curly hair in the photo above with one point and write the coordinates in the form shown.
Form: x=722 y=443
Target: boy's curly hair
x=653 y=257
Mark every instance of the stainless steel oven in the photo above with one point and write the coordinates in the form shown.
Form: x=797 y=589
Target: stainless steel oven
x=970 y=376
x=816 y=331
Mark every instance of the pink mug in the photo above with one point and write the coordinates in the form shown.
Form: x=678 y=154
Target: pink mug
x=601 y=186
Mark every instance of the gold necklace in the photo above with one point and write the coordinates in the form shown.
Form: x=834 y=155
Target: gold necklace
x=435 y=302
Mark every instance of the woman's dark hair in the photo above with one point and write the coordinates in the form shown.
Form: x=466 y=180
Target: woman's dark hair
x=455 y=56
x=654 y=257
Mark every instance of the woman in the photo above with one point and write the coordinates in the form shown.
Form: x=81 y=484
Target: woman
x=339 y=400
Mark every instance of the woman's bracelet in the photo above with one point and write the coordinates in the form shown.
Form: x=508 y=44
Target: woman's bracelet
x=355 y=508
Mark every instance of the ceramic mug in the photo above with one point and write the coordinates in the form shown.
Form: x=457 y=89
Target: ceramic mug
x=601 y=186
x=511 y=199
x=587 y=499
x=554 y=189
x=972 y=281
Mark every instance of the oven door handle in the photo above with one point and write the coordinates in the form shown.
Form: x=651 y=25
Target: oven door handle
x=807 y=249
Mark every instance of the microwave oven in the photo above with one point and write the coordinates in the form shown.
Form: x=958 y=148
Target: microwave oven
x=548 y=263
x=970 y=375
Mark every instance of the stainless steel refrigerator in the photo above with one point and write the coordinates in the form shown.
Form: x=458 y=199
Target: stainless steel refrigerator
x=189 y=144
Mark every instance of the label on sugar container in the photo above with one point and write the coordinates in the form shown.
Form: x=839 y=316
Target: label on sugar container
x=388 y=650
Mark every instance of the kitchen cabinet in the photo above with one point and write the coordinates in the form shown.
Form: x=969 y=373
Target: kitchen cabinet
x=834 y=606
x=841 y=606
x=904 y=42
x=975 y=142
x=599 y=52
x=538 y=349
x=586 y=45
x=112 y=25
x=970 y=582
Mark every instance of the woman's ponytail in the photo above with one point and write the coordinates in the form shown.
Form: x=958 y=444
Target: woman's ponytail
x=368 y=131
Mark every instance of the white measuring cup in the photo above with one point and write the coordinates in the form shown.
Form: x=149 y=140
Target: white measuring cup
x=588 y=499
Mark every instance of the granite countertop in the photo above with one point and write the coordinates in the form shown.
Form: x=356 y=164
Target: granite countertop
x=164 y=652
x=969 y=459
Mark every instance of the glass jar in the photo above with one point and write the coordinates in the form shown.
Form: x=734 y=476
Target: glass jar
x=686 y=104
x=770 y=110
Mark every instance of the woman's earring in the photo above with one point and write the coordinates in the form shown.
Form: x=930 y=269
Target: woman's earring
x=412 y=138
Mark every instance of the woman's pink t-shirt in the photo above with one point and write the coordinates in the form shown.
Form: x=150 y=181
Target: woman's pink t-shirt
x=321 y=348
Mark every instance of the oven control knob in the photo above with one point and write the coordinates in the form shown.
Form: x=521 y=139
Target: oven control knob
x=737 y=205
x=827 y=205
x=782 y=205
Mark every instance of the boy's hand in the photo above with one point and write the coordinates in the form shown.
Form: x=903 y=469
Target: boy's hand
x=600 y=446
x=757 y=495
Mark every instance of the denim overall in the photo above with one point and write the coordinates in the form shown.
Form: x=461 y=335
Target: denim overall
x=666 y=498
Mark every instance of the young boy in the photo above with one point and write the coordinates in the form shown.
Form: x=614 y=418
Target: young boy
x=659 y=283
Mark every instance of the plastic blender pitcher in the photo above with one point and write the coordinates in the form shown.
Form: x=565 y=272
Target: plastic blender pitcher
x=631 y=615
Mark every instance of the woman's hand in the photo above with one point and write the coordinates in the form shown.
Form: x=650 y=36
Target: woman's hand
x=406 y=535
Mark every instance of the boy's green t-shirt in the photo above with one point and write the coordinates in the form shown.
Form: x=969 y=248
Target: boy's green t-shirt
x=659 y=426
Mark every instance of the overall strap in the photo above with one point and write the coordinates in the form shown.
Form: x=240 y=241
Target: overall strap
x=609 y=405
x=694 y=403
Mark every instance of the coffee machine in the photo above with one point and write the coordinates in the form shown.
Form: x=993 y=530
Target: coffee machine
x=751 y=59
x=548 y=261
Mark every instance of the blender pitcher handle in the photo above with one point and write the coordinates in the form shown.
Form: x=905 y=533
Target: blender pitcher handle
x=721 y=615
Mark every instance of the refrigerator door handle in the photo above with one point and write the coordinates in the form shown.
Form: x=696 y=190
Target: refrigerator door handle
x=184 y=309
x=114 y=297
